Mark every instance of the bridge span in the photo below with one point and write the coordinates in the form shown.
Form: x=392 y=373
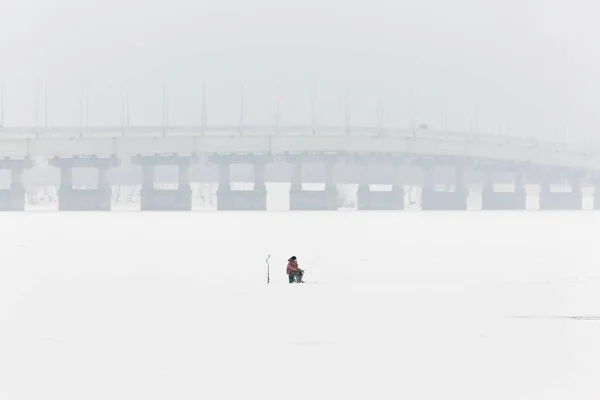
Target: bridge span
x=368 y=150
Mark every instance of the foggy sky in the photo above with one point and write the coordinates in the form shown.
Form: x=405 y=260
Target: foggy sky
x=523 y=65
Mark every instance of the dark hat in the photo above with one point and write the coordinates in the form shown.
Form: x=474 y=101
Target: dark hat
x=292 y=258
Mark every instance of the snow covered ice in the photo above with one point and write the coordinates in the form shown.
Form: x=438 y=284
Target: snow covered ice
x=403 y=305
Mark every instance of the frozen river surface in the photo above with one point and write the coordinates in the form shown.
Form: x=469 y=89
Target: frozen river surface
x=397 y=305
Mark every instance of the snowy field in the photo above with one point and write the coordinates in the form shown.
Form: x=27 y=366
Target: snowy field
x=149 y=306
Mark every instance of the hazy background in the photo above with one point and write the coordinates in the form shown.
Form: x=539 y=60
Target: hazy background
x=523 y=66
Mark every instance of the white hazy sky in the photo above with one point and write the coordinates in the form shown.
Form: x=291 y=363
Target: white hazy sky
x=528 y=64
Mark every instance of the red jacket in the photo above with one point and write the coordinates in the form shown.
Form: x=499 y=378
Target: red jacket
x=292 y=267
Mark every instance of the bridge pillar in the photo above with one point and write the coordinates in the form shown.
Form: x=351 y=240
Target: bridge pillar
x=432 y=199
x=104 y=189
x=595 y=181
x=492 y=200
x=71 y=199
x=183 y=177
x=571 y=200
x=379 y=200
x=313 y=200
x=152 y=199
x=241 y=200
x=260 y=183
x=296 y=180
x=397 y=195
x=331 y=195
x=147 y=186
x=363 y=194
x=224 y=176
x=13 y=199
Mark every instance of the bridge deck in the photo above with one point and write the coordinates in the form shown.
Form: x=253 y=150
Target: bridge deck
x=125 y=142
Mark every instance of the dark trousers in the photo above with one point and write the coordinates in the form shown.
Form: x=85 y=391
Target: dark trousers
x=297 y=275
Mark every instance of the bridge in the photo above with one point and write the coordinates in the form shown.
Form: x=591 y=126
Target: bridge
x=369 y=149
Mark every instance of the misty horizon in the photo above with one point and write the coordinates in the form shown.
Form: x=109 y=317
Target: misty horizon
x=518 y=68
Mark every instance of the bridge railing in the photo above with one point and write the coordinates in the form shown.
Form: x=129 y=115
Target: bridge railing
x=290 y=130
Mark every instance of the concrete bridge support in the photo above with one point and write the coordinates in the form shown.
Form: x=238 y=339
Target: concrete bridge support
x=492 y=200
x=550 y=200
x=313 y=200
x=13 y=199
x=241 y=200
x=432 y=199
x=71 y=199
x=380 y=200
x=153 y=199
x=595 y=181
